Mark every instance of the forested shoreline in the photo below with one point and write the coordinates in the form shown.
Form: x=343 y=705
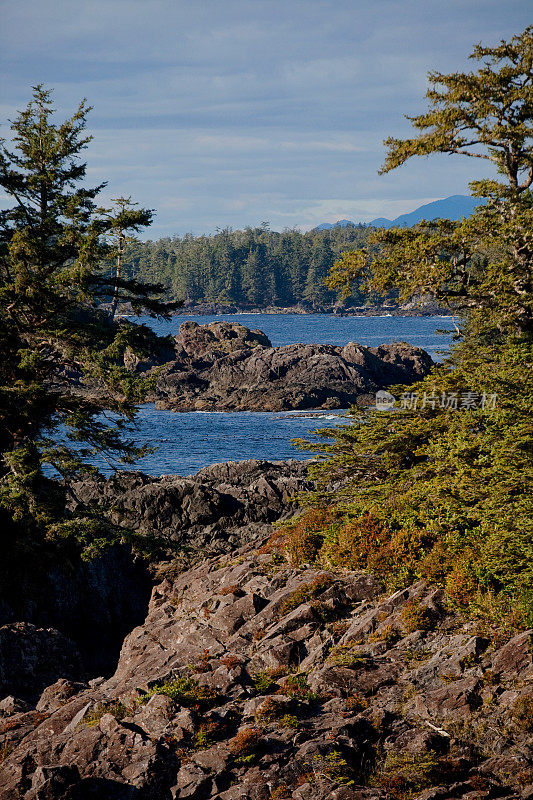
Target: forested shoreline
x=355 y=627
x=254 y=267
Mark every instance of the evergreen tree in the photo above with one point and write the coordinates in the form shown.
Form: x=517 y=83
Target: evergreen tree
x=283 y=258
x=52 y=245
x=440 y=488
x=122 y=220
x=212 y=268
x=322 y=259
x=253 y=278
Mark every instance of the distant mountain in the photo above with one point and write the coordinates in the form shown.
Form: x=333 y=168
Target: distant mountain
x=381 y=222
x=342 y=223
x=455 y=207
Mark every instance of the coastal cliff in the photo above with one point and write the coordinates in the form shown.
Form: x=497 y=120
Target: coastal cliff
x=252 y=679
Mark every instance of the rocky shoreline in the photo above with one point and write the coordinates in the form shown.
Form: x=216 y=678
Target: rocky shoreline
x=414 y=308
x=61 y=615
x=244 y=677
x=224 y=366
x=219 y=508
x=250 y=679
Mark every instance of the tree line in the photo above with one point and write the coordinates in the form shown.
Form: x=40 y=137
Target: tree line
x=254 y=267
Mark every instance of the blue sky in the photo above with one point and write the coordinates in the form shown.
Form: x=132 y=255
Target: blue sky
x=231 y=112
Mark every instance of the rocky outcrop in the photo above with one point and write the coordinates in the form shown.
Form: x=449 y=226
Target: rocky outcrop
x=31 y=658
x=224 y=366
x=61 y=617
x=416 y=307
x=59 y=603
x=214 y=511
x=252 y=680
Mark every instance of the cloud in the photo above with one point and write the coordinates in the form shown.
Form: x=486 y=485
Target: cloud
x=231 y=113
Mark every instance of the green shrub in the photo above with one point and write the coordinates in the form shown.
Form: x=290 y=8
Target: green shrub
x=335 y=767
x=267 y=679
x=185 y=691
x=346 y=656
x=405 y=773
x=288 y=721
x=305 y=593
x=297 y=688
x=115 y=708
x=206 y=735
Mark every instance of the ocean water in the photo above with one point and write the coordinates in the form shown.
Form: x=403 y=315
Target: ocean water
x=285 y=329
x=186 y=442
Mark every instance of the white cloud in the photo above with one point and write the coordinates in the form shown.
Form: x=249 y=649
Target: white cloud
x=230 y=113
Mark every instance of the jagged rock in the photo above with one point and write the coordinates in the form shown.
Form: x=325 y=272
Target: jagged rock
x=53 y=782
x=198 y=709
x=214 y=511
x=516 y=655
x=94 y=603
x=30 y=657
x=226 y=367
x=12 y=705
x=57 y=694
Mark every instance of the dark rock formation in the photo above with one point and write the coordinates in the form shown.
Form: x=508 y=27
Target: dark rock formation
x=250 y=680
x=93 y=604
x=31 y=658
x=75 y=614
x=224 y=366
x=214 y=511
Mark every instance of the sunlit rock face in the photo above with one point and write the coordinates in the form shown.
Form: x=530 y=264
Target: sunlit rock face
x=224 y=366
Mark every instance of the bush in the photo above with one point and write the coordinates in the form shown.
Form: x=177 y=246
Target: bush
x=388 y=634
x=265 y=680
x=289 y=721
x=302 y=538
x=346 y=656
x=206 y=735
x=115 y=708
x=334 y=766
x=355 y=703
x=305 y=593
x=245 y=744
x=297 y=688
x=523 y=713
x=405 y=773
x=414 y=617
x=187 y=692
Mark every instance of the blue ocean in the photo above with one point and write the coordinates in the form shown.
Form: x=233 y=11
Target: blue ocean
x=186 y=442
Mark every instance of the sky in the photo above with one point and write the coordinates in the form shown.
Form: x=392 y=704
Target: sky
x=223 y=113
